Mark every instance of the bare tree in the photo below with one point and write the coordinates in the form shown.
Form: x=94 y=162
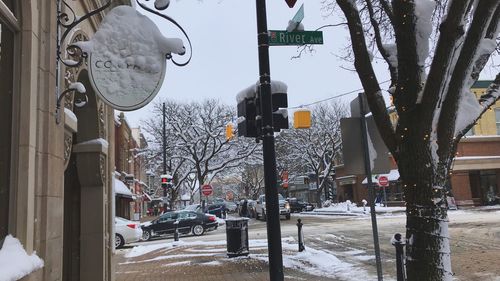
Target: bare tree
x=431 y=93
x=196 y=140
x=252 y=179
x=313 y=150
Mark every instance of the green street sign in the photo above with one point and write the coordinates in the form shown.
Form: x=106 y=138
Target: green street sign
x=296 y=38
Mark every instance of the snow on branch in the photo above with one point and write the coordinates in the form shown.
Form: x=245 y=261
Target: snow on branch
x=488 y=99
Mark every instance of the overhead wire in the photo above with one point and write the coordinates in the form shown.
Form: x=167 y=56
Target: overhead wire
x=334 y=97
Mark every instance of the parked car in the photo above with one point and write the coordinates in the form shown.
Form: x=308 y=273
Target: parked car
x=260 y=207
x=126 y=232
x=187 y=222
x=216 y=209
x=297 y=205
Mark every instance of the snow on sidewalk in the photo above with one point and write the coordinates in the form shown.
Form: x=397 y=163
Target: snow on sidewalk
x=317 y=262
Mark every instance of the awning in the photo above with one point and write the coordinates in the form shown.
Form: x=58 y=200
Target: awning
x=146 y=196
x=122 y=190
x=393 y=175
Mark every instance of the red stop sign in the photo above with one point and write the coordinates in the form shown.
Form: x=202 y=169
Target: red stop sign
x=290 y=3
x=207 y=190
x=383 y=181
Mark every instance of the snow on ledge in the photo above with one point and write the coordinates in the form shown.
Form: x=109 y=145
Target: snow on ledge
x=15 y=263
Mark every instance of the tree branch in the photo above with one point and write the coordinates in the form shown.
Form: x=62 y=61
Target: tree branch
x=367 y=76
x=452 y=30
x=459 y=80
x=380 y=46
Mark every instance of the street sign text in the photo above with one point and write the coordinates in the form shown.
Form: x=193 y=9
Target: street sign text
x=283 y=38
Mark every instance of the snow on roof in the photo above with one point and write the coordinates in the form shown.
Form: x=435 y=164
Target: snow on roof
x=121 y=188
x=15 y=263
x=393 y=175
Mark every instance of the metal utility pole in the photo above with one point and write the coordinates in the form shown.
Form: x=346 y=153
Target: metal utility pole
x=371 y=199
x=270 y=176
x=164 y=144
x=164 y=140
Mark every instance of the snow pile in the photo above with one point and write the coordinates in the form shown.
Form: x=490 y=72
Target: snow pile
x=221 y=221
x=15 y=263
x=349 y=208
x=130 y=53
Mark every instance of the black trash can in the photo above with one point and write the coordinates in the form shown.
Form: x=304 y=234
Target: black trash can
x=237 y=237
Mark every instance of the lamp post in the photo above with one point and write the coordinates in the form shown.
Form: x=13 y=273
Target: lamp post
x=270 y=176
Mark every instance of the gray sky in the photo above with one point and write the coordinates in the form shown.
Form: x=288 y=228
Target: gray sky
x=225 y=60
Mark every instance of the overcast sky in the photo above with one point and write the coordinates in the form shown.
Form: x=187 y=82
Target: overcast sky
x=225 y=60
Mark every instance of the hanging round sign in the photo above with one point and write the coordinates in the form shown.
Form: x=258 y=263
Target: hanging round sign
x=127 y=59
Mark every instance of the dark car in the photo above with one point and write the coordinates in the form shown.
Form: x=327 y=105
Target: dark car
x=188 y=222
x=297 y=205
x=216 y=209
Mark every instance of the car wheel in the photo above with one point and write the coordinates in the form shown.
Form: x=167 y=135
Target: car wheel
x=146 y=235
x=198 y=230
x=288 y=217
x=119 y=242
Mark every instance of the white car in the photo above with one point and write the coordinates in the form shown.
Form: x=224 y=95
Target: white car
x=126 y=232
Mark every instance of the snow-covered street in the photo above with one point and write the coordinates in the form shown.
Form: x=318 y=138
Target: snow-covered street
x=337 y=248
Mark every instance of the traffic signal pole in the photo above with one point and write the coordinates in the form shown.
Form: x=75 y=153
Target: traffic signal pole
x=270 y=175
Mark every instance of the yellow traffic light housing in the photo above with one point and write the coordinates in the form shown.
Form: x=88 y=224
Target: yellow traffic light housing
x=229 y=131
x=302 y=119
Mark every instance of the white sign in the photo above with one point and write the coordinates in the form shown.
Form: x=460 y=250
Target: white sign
x=127 y=59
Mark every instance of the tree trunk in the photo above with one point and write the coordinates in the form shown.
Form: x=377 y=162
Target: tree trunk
x=427 y=238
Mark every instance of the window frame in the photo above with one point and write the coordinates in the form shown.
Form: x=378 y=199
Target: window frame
x=11 y=22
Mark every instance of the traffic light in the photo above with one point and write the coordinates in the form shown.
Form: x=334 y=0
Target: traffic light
x=249 y=110
x=280 y=103
x=166 y=183
x=229 y=131
x=302 y=119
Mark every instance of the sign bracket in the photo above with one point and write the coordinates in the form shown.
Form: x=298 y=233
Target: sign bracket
x=67 y=20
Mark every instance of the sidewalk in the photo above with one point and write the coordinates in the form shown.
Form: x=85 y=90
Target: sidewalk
x=200 y=263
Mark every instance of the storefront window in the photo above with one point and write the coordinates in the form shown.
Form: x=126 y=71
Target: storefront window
x=6 y=93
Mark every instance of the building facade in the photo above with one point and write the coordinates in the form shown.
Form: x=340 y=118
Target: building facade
x=56 y=178
x=130 y=165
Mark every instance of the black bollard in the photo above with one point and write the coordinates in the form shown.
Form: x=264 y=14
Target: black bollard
x=301 y=236
x=176 y=233
x=400 y=266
